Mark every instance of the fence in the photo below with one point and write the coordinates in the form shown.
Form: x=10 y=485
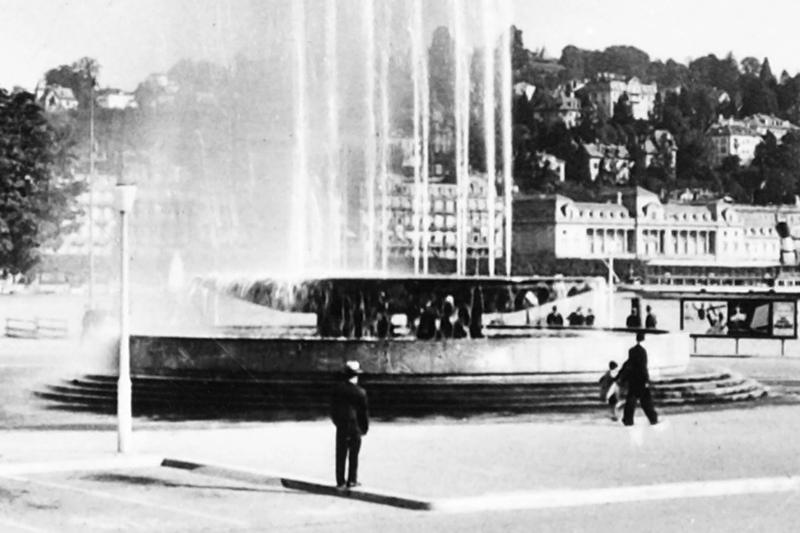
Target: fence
x=715 y=345
x=38 y=328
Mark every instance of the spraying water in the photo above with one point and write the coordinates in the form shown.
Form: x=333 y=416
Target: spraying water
x=298 y=227
x=489 y=123
x=370 y=144
x=335 y=219
x=508 y=170
x=385 y=132
x=458 y=120
x=426 y=125
x=416 y=52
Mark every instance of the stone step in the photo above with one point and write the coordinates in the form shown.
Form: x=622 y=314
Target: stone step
x=272 y=391
x=379 y=399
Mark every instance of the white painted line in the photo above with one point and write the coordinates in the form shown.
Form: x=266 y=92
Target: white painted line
x=135 y=501
x=19 y=526
x=25 y=365
x=578 y=498
x=72 y=465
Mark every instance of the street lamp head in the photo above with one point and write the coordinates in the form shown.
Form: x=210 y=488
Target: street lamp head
x=124 y=196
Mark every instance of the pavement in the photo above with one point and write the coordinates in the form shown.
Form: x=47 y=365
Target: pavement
x=236 y=478
x=699 y=470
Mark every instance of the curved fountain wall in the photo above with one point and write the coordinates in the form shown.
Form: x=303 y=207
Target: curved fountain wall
x=565 y=351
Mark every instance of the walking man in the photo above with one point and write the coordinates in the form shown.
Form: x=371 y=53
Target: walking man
x=635 y=375
x=350 y=415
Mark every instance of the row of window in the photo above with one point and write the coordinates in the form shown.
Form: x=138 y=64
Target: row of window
x=442 y=206
x=406 y=190
x=447 y=222
x=438 y=240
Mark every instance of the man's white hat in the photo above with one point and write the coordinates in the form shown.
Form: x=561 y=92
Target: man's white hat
x=353 y=368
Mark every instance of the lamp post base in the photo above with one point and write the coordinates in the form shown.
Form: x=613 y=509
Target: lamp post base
x=124 y=415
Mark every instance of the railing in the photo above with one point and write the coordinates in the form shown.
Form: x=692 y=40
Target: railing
x=38 y=328
x=737 y=339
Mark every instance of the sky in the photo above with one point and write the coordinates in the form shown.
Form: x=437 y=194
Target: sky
x=133 y=38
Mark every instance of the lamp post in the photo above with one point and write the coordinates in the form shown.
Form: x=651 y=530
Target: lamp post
x=124 y=196
x=91 y=197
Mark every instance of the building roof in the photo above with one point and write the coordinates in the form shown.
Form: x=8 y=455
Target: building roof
x=768 y=121
x=606 y=150
x=732 y=128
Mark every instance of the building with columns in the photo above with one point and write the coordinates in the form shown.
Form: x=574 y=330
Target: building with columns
x=638 y=225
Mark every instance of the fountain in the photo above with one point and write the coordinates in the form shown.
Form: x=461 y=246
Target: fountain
x=254 y=341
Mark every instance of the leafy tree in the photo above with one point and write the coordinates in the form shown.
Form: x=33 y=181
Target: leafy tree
x=572 y=59
x=765 y=75
x=37 y=192
x=714 y=72
x=778 y=165
x=757 y=97
x=750 y=66
x=80 y=76
x=694 y=156
x=625 y=60
x=623 y=112
x=441 y=65
x=669 y=74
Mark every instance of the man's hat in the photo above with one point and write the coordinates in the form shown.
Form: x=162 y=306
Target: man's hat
x=352 y=368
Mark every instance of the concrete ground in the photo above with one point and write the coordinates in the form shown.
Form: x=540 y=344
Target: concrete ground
x=705 y=471
x=736 y=468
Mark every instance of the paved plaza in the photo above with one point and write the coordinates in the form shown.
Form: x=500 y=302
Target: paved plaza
x=707 y=469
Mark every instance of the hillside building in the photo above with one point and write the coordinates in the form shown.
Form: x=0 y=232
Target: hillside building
x=610 y=163
x=606 y=91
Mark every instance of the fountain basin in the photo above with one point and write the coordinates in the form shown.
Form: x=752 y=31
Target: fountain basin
x=532 y=351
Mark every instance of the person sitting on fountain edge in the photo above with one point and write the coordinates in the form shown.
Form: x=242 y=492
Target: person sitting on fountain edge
x=350 y=415
x=589 y=318
x=554 y=319
x=650 y=321
x=634 y=320
x=461 y=325
x=446 y=322
x=427 y=330
x=576 y=318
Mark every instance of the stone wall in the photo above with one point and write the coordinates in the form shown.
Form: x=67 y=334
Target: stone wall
x=528 y=352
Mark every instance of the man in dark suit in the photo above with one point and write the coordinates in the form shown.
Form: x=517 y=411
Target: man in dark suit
x=650 y=321
x=633 y=320
x=350 y=414
x=634 y=373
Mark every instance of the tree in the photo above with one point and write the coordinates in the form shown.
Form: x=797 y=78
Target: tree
x=572 y=59
x=626 y=60
x=750 y=66
x=623 y=112
x=441 y=65
x=80 y=77
x=37 y=192
x=778 y=165
x=757 y=97
x=765 y=75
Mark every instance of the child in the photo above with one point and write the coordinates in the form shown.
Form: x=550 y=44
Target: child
x=610 y=390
